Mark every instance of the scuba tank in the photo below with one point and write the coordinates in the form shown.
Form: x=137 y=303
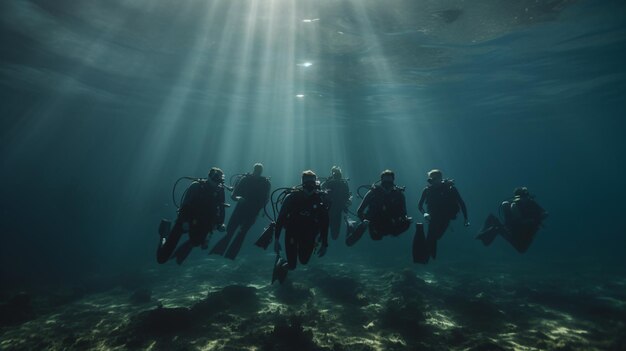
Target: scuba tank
x=184 y=192
x=268 y=233
x=165 y=224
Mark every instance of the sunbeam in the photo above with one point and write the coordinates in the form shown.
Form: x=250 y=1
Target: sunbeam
x=502 y=122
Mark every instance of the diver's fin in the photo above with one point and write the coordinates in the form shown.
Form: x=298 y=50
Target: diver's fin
x=281 y=268
x=357 y=234
x=490 y=230
x=488 y=236
x=492 y=221
x=420 y=250
x=266 y=238
x=235 y=246
x=221 y=245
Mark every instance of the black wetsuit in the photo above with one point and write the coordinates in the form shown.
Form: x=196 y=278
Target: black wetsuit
x=304 y=217
x=386 y=211
x=338 y=197
x=202 y=209
x=254 y=191
x=524 y=223
x=443 y=201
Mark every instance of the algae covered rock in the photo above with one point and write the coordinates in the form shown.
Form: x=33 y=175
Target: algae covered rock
x=289 y=334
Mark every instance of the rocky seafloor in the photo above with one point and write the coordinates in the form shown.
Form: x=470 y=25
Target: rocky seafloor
x=218 y=304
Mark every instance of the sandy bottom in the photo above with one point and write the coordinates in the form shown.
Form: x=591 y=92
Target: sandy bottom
x=217 y=304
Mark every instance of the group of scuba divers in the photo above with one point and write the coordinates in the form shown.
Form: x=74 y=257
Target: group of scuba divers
x=307 y=212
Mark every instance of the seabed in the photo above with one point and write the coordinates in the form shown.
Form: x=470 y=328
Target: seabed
x=217 y=304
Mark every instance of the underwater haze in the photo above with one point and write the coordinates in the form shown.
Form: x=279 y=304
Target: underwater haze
x=104 y=104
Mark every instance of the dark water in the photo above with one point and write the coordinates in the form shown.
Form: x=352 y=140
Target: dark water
x=105 y=104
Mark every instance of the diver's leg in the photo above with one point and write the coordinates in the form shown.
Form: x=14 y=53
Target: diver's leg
x=520 y=239
x=400 y=227
x=233 y=222
x=491 y=221
x=168 y=244
x=198 y=232
x=197 y=236
x=235 y=219
x=306 y=245
x=246 y=224
x=358 y=233
x=526 y=239
x=335 y=223
x=443 y=227
x=291 y=249
x=431 y=239
x=183 y=251
x=375 y=231
x=506 y=212
x=490 y=230
x=436 y=229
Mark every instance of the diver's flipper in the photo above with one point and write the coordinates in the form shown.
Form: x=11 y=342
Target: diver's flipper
x=490 y=230
x=357 y=234
x=183 y=251
x=281 y=268
x=235 y=246
x=488 y=236
x=266 y=238
x=420 y=250
x=221 y=245
x=492 y=221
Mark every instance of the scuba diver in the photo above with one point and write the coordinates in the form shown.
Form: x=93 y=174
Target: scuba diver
x=522 y=219
x=201 y=211
x=339 y=199
x=251 y=193
x=304 y=215
x=443 y=202
x=382 y=211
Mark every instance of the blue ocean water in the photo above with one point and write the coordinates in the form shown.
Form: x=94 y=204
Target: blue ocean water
x=106 y=103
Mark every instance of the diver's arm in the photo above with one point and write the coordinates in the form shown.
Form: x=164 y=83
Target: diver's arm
x=366 y=201
x=420 y=205
x=461 y=204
